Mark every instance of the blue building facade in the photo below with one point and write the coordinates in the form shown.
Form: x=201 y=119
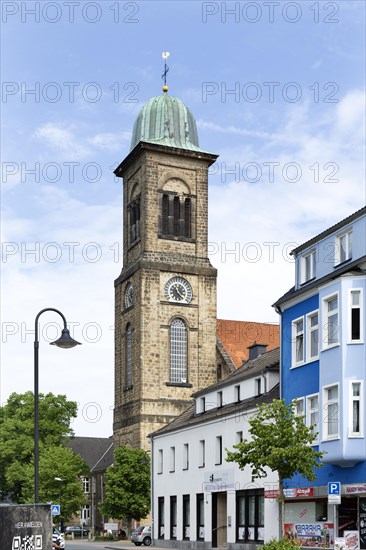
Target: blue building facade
x=323 y=365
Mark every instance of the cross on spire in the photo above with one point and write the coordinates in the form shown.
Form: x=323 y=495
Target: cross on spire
x=165 y=56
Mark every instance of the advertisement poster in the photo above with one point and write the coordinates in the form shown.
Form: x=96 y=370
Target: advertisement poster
x=362 y=522
x=311 y=534
x=339 y=543
x=352 y=540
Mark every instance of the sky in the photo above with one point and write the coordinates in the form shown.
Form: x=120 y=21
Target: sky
x=278 y=92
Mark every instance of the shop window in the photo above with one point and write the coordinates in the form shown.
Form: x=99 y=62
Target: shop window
x=173 y=517
x=321 y=510
x=250 y=516
x=186 y=517
x=200 y=517
x=161 y=518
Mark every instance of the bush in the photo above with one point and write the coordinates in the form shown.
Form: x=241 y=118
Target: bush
x=283 y=544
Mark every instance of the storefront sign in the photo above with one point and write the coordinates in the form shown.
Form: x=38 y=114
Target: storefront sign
x=311 y=534
x=275 y=493
x=351 y=489
x=299 y=492
x=362 y=522
x=339 y=543
x=352 y=540
x=221 y=480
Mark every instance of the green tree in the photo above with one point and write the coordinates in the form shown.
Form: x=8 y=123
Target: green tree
x=281 y=441
x=17 y=449
x=127 y=494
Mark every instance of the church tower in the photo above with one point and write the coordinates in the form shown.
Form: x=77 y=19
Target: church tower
x=165 y=296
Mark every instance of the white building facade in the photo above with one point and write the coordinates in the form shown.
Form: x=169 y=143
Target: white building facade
x=198 y=499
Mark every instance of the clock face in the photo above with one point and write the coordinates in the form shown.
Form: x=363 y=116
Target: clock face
x=129 y=295
x=178 y=290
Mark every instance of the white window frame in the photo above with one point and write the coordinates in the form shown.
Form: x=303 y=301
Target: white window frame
x=325 y=321
x=185 y=456
x=360 y=399
x=295 y=335
x=348 y=236
x=309 y=331
x=202 y=453
x=309 y=411
x=218 y=450
x=312 y=272
x=298 y=401
x=172 y=459
x=86 y=484
x=325 y=434
x=350 y=308
x=160 y=461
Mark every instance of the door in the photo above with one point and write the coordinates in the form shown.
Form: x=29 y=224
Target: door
x=219 y=519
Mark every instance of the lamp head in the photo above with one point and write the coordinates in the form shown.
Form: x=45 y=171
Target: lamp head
x=58 y=479
x=65 y=341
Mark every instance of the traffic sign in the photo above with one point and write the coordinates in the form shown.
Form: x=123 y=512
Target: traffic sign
x=334 y=492
x=55 y=509
x=334 y=488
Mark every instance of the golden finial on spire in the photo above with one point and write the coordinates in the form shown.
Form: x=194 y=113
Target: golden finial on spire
x=165 y=56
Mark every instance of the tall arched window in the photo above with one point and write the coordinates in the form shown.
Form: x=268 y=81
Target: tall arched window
x=128 y=351
x=178 y=352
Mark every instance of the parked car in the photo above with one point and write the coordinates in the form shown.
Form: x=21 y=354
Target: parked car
x=57 y=535
x=77 y=530
x=141 y=535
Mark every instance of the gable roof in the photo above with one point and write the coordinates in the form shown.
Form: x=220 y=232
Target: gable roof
x=236 y=336
x=270 y=360
x=189 y=418
x=96 y=451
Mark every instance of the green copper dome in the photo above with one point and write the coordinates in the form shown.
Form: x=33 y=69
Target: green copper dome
x=165 y=120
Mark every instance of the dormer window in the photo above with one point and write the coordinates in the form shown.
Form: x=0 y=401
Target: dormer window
x=258 y=386
x=344 y=247
x=203 y=404
x=219 y=398
x=308 y=267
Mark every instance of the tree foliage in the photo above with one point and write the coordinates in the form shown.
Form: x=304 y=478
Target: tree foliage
x=280 y=441
x=127 y=494
x=17 y=451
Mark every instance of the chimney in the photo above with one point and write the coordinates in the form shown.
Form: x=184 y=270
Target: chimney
x=255 y=350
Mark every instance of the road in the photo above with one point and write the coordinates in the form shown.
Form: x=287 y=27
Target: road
x=101 y=545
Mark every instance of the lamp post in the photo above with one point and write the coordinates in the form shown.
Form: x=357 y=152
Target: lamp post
x=65 y=342
x=60 y=480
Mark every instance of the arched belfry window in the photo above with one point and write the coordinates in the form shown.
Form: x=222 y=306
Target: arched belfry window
x=128 y=357
x=134 y=215
x=178 y=352
x=176 y=216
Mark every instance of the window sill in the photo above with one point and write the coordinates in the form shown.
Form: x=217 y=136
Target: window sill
x=176 y=238
x=356 y=436
x=342 y=263
x=335 y=438
x=297 y=366
x=179 y=384
x=330 y=347
x=308 y=281
x=354 y=342
x=135 y=242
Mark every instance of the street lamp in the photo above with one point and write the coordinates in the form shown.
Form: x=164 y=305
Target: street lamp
x=60 y=480
x=65 y=342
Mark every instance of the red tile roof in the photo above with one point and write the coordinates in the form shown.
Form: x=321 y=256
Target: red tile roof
x=236 y=336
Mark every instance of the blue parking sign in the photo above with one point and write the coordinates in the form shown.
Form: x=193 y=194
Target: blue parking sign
x=334 y=488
